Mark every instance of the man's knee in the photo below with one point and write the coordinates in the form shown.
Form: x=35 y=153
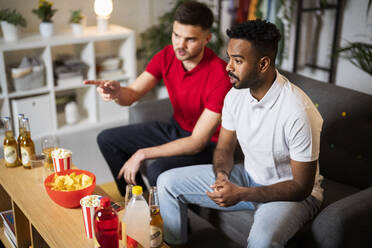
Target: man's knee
x=167 y=180
x=103 y=138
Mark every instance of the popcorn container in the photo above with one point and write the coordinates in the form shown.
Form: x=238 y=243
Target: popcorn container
x=61 y=159
x=89 y=204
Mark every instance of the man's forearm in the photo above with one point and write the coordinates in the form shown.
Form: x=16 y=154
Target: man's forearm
x=223 y=161
x=283 y=191
x=182 y=146
x=127 y=96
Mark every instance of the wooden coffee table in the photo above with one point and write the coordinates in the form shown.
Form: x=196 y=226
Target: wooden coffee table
x=39 y=221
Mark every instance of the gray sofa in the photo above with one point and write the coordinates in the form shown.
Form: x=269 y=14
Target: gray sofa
x=345 y=219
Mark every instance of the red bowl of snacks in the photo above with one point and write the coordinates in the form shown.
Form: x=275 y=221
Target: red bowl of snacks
x=66 y=188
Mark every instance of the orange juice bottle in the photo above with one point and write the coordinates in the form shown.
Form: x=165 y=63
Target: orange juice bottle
x=10 y=144
x=21 y=130
x=27 y=145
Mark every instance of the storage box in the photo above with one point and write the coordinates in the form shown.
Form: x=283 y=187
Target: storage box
x=39 y=111
x=33 y=80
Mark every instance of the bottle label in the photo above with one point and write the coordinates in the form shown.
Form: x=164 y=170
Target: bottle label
x=25 y=152
x=156 y=237
x=10 y=154
x=132 y=243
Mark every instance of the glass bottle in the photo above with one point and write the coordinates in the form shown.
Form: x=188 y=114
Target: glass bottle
x=10 y=144
x=106 y=225
x=128 y=196
x=21 y=130
x=27 y=145
x=137 y=220
x=156 y=223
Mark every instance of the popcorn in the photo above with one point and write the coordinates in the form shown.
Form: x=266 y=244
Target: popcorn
x=61 y=153
x=90 y=201
x=61 y=159
x=89 y=205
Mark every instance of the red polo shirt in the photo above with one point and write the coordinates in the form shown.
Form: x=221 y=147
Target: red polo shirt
x=190 y=92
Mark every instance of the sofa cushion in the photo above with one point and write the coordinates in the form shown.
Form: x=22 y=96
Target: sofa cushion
x=346 y=139
x=152 y=110
x=346 y=152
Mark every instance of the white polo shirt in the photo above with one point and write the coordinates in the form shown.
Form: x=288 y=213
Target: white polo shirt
x=284 y=125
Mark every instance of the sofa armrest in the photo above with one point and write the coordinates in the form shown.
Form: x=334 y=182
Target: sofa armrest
x=345 y=223
x=154 y=110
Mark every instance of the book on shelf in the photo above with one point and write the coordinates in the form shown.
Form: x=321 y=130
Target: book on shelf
x=12 y=241
x=9 y=230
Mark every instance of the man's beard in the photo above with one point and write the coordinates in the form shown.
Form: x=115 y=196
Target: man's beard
x=252 y=81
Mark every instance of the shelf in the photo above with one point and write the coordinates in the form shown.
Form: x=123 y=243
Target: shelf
x=80 y=125
x=16 y=94
x=28 y=41
x=326 y=7
x=122 y=77
x=70 y=87
x=3 y=238
x=43 y=105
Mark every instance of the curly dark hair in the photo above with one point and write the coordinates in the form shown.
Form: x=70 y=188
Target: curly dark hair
x=263 y=35
x=194 y=13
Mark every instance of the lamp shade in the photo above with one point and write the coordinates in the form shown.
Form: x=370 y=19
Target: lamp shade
x=103 y=8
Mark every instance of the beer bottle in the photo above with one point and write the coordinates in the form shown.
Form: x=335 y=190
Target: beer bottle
x=10 y=144
x=156 y=223
x=27 y=145
x=21 y=130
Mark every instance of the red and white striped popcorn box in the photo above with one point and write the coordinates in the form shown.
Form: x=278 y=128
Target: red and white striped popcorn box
x=61 y=164
x=89 y=204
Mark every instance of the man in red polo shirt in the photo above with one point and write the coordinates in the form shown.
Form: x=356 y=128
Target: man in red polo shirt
x=197 y=83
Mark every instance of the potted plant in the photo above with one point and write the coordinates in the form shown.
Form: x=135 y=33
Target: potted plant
x=75 y=20
x=10 y=19
x=45 y=12
x=359 y=53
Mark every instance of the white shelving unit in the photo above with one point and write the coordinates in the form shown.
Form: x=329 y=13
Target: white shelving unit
x=94 y=112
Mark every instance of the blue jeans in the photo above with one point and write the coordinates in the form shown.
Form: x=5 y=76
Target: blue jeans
x=274 y=222
x=118 y=144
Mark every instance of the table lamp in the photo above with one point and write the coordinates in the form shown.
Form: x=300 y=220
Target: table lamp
x=103 y=10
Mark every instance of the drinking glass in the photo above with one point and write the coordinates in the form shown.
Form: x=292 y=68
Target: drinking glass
x=48 y=144
x=37 y=161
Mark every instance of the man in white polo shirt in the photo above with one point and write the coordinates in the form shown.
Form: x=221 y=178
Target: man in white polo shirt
x=278 y=128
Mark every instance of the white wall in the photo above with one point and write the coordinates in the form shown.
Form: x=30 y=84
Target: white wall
x=356 y=27
x=134 y=14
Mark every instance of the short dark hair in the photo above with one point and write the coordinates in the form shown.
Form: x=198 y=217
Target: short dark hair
x=194 y=13
x=263 y=35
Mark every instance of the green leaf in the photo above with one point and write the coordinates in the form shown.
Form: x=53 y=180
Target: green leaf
x=359 y=54
x=13 y=17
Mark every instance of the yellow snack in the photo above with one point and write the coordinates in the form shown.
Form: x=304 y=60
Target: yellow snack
x=70 y=182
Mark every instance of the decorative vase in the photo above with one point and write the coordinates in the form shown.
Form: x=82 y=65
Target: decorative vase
x=71 y=113
x=10 y=31
x=77 y=28
x=46 y=29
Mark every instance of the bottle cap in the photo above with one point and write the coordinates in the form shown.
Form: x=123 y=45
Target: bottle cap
x=137 y=190
x=105 y=202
